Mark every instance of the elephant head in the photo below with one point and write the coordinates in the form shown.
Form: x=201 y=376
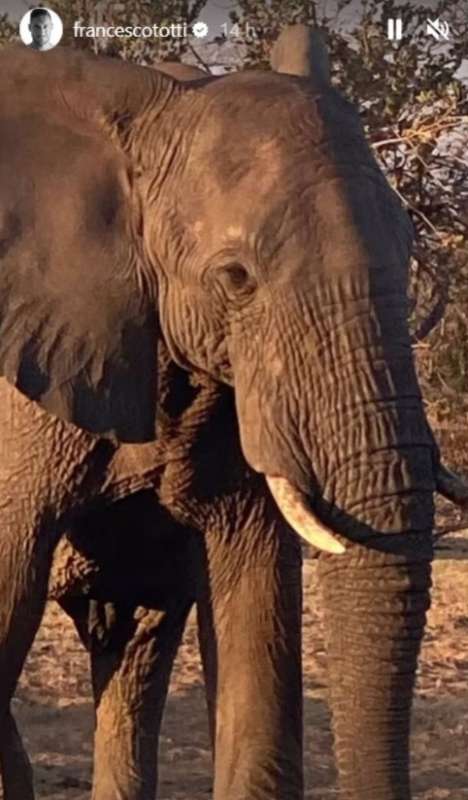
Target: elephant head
x=244 y=220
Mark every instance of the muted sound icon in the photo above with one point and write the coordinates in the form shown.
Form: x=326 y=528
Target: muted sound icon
x=438 y=28
x=395 y=29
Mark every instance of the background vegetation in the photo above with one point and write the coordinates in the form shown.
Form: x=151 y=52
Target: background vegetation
x=414 y=108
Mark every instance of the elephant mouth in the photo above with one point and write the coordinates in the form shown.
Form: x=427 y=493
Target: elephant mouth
x=297 y=512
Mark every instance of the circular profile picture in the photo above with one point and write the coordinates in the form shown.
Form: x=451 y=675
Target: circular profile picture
x=41 y=29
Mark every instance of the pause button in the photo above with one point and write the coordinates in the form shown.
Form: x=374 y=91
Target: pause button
x=394 y=29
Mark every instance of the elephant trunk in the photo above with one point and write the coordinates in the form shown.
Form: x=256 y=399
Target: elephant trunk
x=375 y=605
x=351 y=435
x=378 y=494
x=375 y=598
x=374 y=617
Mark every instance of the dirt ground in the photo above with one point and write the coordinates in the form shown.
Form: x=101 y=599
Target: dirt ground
x=55 y=715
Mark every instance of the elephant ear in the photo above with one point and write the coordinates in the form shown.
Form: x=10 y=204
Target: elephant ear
x=300 y=50
x=78 y=326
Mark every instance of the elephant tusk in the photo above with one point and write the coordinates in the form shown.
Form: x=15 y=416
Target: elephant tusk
x=292 y=504
x=451 y=486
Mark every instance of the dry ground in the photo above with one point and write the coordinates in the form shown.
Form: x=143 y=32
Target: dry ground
x=55 y=714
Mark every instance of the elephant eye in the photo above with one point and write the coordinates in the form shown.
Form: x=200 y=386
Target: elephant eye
x=236 y=279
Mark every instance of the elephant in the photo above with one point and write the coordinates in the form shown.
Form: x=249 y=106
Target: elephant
x=203 y=309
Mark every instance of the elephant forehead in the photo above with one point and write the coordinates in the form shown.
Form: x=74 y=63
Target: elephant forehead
x=219 y=218
x=238 y=166
x=286 y=155
x=298 y=199
x=253 y=121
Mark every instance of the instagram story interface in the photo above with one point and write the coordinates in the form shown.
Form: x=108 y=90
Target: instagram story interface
x=233 y=400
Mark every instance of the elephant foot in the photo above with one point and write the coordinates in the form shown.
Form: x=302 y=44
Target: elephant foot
x=16 y=768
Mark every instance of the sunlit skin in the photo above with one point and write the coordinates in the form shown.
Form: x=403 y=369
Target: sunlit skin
x=41 y=30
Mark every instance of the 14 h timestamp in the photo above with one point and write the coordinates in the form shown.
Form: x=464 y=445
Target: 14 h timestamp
x=243 y=32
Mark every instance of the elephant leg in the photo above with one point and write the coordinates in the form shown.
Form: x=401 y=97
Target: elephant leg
x=132 y=652
x=25 y=564
x=16 y=768
x=249 y=618
x=45 y=467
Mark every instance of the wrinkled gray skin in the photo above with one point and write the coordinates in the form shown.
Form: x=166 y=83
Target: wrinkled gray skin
x=243 y=224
